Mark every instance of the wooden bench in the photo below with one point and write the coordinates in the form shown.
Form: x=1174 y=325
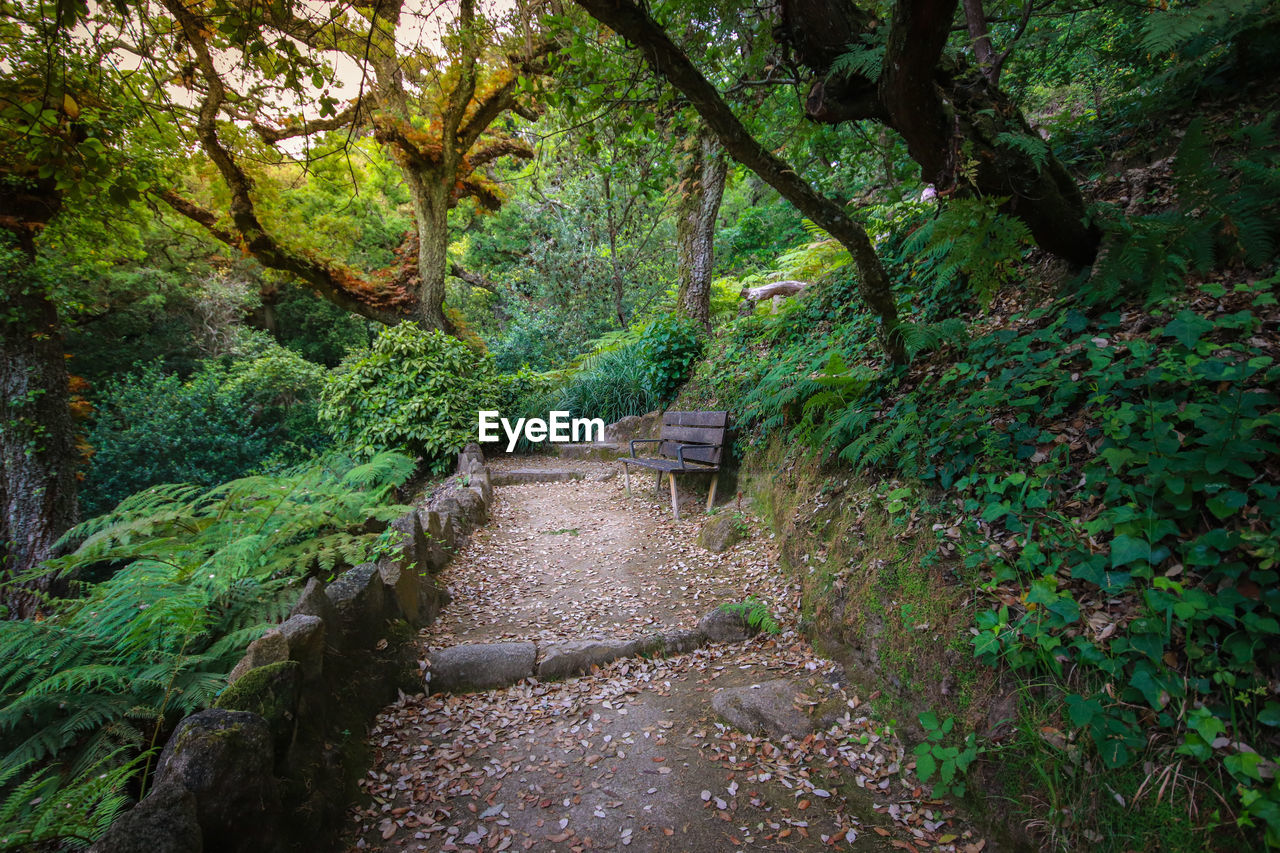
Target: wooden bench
x=690 y=443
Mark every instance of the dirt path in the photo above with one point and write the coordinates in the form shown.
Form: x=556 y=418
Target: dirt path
x=633 y=755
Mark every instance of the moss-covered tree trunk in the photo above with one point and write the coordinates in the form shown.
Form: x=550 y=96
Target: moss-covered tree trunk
x=701 y=189
x=37 y=436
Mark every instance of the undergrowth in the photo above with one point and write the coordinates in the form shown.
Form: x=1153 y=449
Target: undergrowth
x=168 y=590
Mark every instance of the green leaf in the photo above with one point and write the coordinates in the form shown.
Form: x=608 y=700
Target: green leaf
x=1188 y=327
x=1126 y=549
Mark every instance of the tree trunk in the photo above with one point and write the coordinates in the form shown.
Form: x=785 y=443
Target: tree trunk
x=634 y=24
x=701 y=190
x=431 y=218
x=950 y=118
x=38 y=455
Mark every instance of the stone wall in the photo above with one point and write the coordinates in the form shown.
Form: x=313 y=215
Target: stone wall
x=272 y=767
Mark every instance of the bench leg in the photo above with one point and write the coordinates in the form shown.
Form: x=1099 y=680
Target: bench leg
x=626 y=477
x=657 y=483
x=675 y=502
x=711 y=495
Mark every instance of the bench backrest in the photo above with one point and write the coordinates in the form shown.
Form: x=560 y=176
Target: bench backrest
x=698 y=427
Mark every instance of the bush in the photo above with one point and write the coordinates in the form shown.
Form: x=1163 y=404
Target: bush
x=227 y=419
x=669 y=347
x=413 y=391
x=612 y=385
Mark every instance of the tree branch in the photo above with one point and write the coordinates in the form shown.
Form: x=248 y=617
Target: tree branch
x=631 y=22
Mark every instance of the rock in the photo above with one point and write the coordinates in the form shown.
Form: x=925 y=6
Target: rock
x=721 y=532
x=403 y=584
x=270 y=648
x=314 y=602
x=411 y=538
x=480 y=666
x=524 y=476
x=683 y=640
x=1003 y=715
x=432 y=597
x=604 y=476
x=470 y=455
x=482 y=483
x=271 y=692
x=622 y=432
x=359 y=597
x=675 y=642
x=467 y=509
x=577 y=657
x=723 y=625
x=224 y=758
x=594 y=451
x=439 y=550
x=767 y=708
x=304 y=635
x=164 y=822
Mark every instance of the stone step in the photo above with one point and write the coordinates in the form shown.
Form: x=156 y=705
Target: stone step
x=521 y=476
x=601 y=451
x=472 y=667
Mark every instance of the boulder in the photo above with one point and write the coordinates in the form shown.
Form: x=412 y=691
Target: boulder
x=724 y=625
x=359 y=597
x=304 y=635
x=224 y=758
x=721 y=532
x=314 y=602
x=480 y=666
x=764 y=709
x=164 y=822
x=270 y=648
x=271 y=692
x=683 y=640
x=578 y=657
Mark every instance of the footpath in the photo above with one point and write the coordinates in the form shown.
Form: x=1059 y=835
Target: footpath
x=674 y=739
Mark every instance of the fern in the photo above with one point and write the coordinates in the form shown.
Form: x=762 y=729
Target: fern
x=1033 y=147
x=969 y=238
x=1219 y=212
x=862 y=59
x=84 y=692
x=1197 y=26
x=923 y=337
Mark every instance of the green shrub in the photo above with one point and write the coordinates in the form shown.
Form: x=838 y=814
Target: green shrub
x=669 y=347
x=223 y=422
x=88 y=693
x=612 y=385
x=413 y=391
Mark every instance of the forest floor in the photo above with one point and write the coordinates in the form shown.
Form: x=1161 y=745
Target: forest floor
x=633 y=754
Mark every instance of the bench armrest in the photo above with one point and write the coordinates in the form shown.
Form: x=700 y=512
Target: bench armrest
x=636 y=441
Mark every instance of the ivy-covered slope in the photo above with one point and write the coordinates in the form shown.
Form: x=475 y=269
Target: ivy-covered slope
x=1058 y=525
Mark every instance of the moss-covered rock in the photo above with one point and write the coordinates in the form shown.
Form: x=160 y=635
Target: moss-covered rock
x=224 y=758
x=271 y=692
